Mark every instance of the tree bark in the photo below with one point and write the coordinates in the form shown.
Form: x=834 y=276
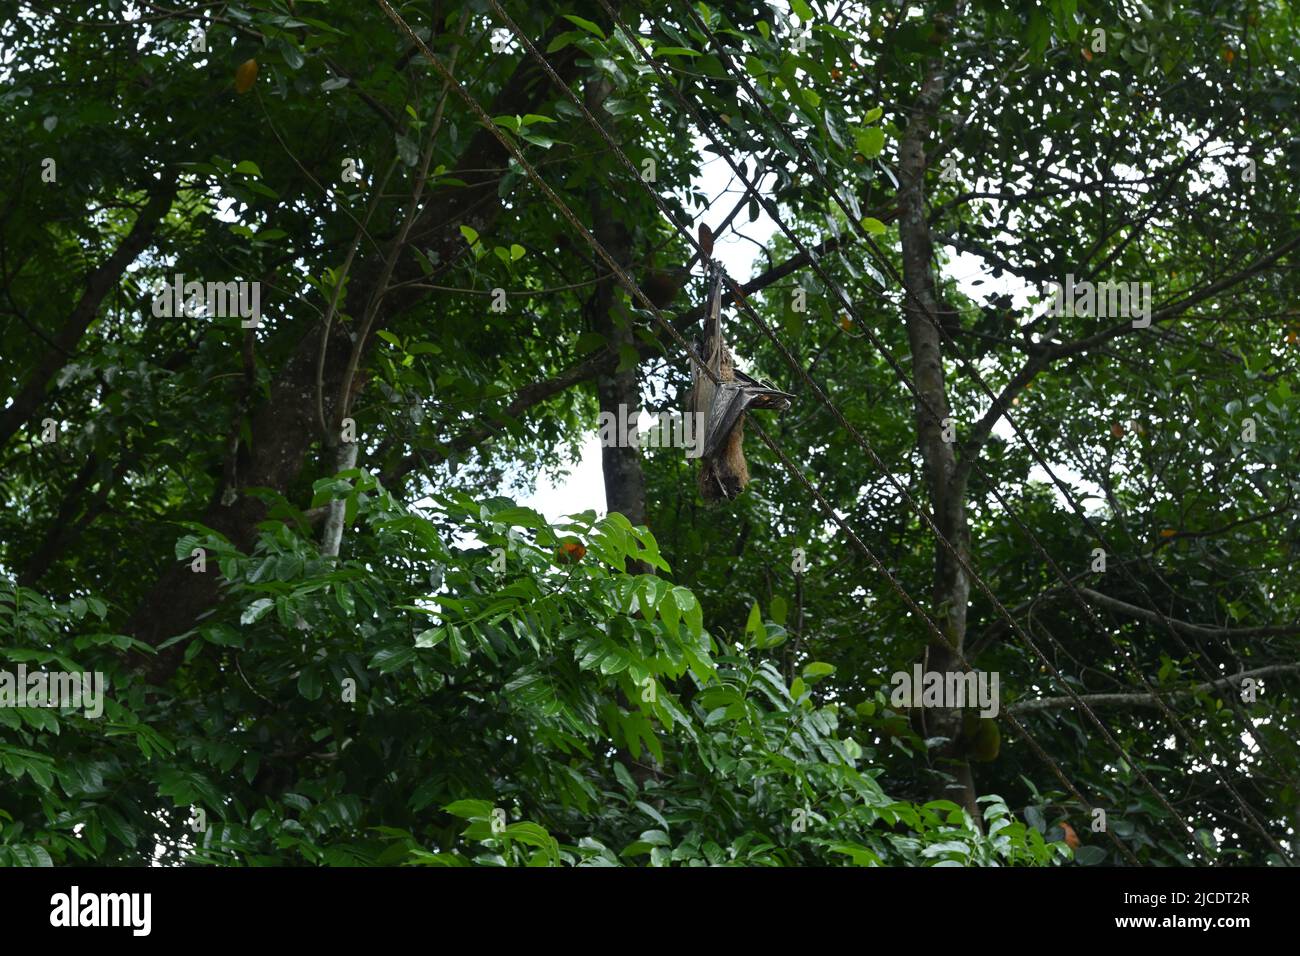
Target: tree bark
x=345 y=457
x=945 y=483
x=1122 y=701
x=618 y=388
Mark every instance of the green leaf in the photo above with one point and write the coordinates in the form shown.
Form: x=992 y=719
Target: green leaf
x=817 y=670
x=1038 y=34
x=561 y=41
x=519 y=517
x=670 y=612
x=1089 y=855
x=779 y=609
x=873 y=227
x=407 y=151
x=470 y=809
x=309 y=683
x=392 y=658
x=774 y=635
x=530 y=834
x=431 y=637
x=586 y=25
x=256 y=611
x=870 y=141
x=656 y=838
x=293 y=57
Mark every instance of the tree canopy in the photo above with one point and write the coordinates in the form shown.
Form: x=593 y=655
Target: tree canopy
x=1028 y=272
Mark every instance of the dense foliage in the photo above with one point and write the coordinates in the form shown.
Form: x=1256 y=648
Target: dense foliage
x=470 y=682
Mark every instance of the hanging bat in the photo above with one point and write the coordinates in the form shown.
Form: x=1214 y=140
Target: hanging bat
x=719 y=409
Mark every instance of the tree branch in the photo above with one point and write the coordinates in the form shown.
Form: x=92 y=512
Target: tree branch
x=1044 y=356
x=1197 y=630
x=1124 y=701
x=99 y=283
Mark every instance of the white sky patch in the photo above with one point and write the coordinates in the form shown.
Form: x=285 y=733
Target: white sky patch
x=582 y=488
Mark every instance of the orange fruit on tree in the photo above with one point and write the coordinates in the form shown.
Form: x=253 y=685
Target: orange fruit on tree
x=1071 y=838
x=245 y=75
x=570 y=552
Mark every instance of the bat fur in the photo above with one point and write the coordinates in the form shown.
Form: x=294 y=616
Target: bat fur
x=724 y=472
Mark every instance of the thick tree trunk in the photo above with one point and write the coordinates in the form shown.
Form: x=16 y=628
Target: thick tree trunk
x=618 y=389
x=283 y=432
x=947 y=486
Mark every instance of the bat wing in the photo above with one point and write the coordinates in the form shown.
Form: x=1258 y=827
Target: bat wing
x=703 y=388
x=730 y=402
x=721 y=405
x=764 y=394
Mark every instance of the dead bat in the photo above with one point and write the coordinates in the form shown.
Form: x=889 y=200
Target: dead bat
x=720 y=408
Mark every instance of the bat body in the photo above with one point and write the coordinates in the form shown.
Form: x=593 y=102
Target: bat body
x=721 y=406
